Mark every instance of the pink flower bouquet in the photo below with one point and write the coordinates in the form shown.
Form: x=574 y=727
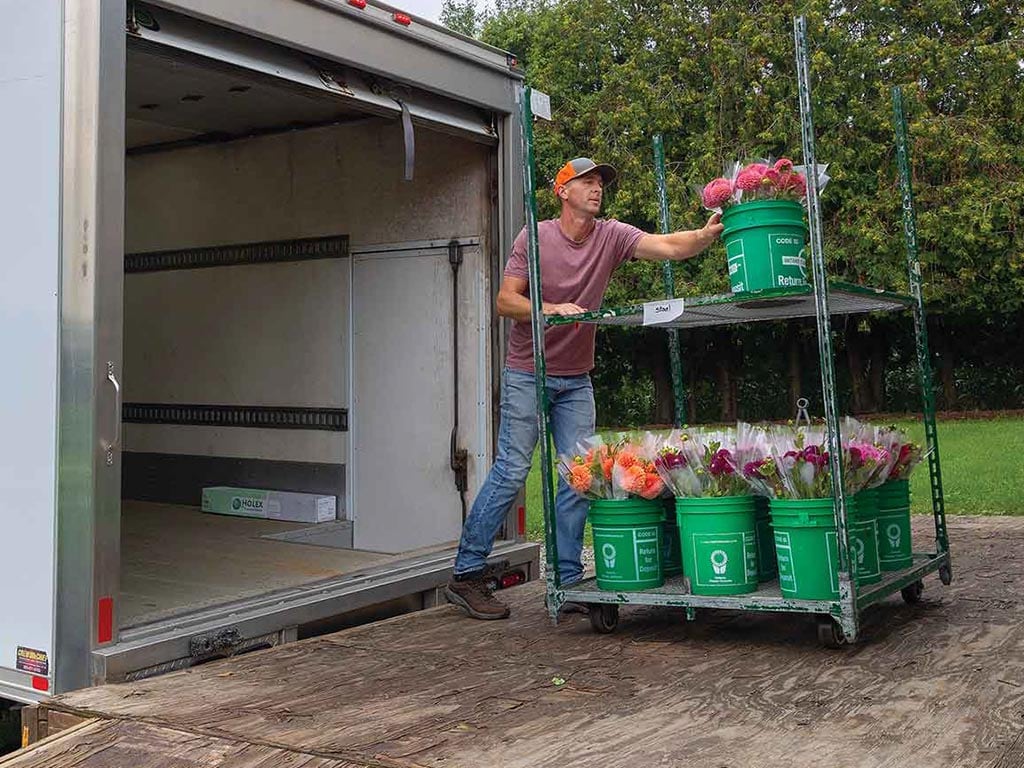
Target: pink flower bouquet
x=906 y=454
x=760 y=180
x=705 y=462
x=798 y=465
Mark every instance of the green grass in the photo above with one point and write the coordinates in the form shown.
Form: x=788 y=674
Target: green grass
x=982 y=471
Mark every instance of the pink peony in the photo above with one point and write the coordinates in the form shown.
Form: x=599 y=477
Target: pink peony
x=717 y=193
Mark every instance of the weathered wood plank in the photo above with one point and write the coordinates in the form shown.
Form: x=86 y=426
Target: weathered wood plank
x=127 y=744
x=937 y=684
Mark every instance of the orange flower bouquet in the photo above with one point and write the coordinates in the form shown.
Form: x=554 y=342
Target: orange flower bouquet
x=588 y=470
x=612 y=469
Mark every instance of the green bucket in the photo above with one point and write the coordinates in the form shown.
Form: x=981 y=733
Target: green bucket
x=894 y=542
x=627 y=543
x=767 y=567
x=805 y=544
x=719 y=543
x=764 y=245
x=807 y=551
x=671 y=556
x=864 y=537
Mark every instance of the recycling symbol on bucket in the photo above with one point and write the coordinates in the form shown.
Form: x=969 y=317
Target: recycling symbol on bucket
x=608 y=553
x=719 y=561
x=858 y=548
x=895 y=534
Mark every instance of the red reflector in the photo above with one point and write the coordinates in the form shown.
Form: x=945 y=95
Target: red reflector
x=522 y=521
x=40 y=683
x=512 y=578
x=401 y=18
x=105 y=620
x=360 y=4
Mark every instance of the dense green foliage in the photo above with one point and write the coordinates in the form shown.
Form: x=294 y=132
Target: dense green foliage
x=718 y=80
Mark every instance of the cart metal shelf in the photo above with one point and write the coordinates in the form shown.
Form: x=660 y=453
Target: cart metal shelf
x=753 y=306
x=840 y=619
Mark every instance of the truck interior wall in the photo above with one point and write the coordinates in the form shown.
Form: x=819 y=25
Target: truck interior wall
x=279 y=334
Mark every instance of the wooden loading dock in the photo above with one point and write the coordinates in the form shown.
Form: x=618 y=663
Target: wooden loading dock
x=940 y=683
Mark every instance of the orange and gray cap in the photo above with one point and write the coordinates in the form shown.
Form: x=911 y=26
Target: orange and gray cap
x=580 y=166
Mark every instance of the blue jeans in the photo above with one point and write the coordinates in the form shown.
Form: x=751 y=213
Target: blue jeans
x=571 y=399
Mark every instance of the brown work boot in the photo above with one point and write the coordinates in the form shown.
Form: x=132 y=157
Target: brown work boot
x=476 y=597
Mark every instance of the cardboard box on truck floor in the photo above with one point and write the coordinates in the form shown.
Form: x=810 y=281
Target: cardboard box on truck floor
x=270 y=505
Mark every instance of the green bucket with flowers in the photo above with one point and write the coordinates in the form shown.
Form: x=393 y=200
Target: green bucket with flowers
x=714 y=509
x=765 y=233
x=626 y=515
x=796 y=472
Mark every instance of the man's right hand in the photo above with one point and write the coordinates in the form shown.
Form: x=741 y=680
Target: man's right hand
x=563 y=309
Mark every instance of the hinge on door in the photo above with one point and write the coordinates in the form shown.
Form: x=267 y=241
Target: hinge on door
x=223 y=642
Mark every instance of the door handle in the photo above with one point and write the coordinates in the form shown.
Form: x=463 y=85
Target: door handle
x=115 y=440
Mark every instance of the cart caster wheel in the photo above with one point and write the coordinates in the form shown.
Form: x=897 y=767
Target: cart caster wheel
x=604 y=617
x=912 y=592
x=946 y=574
x=830 y=634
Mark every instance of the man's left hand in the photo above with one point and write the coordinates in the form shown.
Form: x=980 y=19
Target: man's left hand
x=713 y=229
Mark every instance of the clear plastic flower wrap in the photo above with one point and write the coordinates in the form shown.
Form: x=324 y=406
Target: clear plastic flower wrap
x=798 y=466
x=906 y=453
x=705 y=462
x=674 y=467
x=633 y=471
x=870 y=458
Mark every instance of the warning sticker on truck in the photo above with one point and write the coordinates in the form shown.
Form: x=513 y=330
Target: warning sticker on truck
x=33 y=662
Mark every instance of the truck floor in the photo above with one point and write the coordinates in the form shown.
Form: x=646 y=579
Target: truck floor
x=935 y=684
x=176 y=558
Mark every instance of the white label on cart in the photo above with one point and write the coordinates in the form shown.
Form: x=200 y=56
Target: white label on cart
x=656 y=312
x=540 y=104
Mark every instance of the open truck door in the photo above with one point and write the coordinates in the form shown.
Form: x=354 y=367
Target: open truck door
x=61 y=240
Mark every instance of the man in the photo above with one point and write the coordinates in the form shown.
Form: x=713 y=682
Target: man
x=578 y=254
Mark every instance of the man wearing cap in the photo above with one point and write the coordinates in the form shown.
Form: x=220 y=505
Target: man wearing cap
x=578 y=254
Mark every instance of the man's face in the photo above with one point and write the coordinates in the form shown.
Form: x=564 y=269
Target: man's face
x=583 y=194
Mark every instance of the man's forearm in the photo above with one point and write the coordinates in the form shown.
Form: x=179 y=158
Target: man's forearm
x=513 y=305
x=686 y=245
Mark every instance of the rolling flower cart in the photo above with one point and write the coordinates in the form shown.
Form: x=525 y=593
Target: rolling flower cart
x=839 y=619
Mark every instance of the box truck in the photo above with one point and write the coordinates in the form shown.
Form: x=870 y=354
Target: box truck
x=253 y=246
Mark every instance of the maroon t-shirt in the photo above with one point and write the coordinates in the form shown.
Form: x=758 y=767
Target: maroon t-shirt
x=571 y=272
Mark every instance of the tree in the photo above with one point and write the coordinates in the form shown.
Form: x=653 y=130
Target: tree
x=462 y=16
x=717 y=79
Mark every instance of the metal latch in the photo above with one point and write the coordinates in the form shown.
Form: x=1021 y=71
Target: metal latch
x=223 y=642
x=460 y=466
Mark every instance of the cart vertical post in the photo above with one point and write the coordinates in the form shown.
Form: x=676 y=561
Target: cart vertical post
x=847 y=590
x=539 y=368
x=924 y=367
x=665 y=227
